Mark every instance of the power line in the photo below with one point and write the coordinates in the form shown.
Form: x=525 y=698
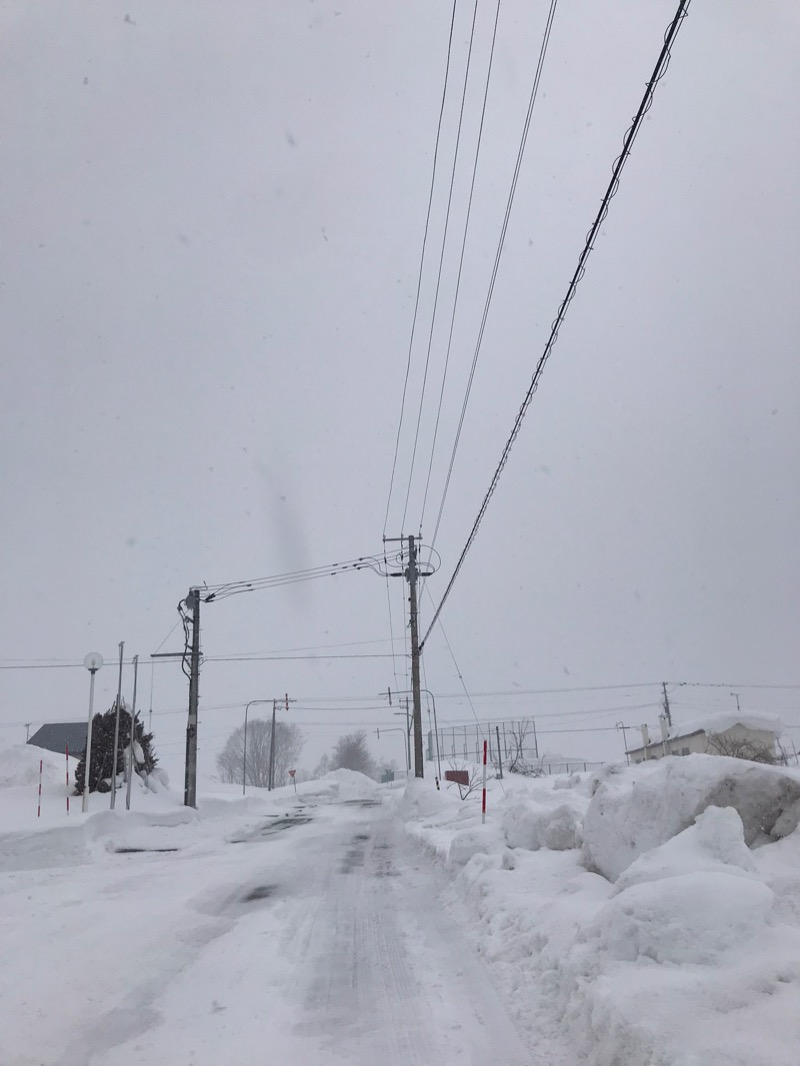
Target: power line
x=209 y=593
x=461 y=258
x=658 y=72
x=441 y=259
x=421 y=265
x=293 y=658
x=498 y=253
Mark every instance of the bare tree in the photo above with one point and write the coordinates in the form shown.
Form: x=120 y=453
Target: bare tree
x=741 y=748
x=322 y=767
x=518 y=763
x=288 y=745
x=474 y=778
x=351 y=753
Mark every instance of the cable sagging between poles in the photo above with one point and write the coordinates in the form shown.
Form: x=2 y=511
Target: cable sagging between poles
x=647 y=100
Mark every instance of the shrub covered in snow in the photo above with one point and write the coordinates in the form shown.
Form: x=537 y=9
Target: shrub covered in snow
x=101 y=769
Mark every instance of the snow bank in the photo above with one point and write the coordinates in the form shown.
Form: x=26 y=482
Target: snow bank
x=342 y=786
x=633 y=812
x=687 y=951
x=19 y=766
x=533 y=825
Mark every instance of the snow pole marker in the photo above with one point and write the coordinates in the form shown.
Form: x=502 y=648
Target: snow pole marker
x=483 y=799
x=39 y=808
x=67 y=751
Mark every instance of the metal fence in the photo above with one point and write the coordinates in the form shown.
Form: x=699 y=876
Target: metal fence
x=512 y=743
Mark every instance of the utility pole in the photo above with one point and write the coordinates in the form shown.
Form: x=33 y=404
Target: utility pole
x=271 y=779
x=27 y=731
x=132 y=740
x=666 y=704
x=190 y=782
x=625 y=728
x=411 y=575
x=272 y=748
x=116 y=732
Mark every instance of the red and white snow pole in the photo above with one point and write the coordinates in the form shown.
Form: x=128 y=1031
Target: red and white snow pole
x=39 y=808
x=483 y=799
x=67 y=751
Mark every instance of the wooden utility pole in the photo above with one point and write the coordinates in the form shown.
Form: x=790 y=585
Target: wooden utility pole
x=190 y=783
x=411 y=576
x=667 y=711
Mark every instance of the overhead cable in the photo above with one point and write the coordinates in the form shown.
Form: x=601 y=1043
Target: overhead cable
x=630 y=137
x=421 y=266
x=460 y=261
x=441 y=261
x=498 y=254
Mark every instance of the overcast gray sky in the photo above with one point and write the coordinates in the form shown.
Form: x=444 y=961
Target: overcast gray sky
x=212 y=223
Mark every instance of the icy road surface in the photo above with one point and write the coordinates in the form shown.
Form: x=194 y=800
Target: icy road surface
x=307 y=942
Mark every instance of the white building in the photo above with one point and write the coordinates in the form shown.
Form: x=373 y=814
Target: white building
x=713 y=734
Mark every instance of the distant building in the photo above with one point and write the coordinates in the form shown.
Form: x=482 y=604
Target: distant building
x=56 y=735
x=717 y=734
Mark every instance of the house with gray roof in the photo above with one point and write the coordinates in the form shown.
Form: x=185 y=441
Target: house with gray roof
x=55 y=736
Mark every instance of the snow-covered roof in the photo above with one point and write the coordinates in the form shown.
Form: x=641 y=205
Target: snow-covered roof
x=719 y=723
x=55 y=736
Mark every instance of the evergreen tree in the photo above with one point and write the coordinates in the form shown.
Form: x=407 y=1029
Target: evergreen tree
x=100 y=771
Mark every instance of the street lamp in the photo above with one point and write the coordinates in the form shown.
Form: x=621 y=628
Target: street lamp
x=398 y=729
x=92 y=662
x=428 y=692
x=244 y=749
x=409 y=723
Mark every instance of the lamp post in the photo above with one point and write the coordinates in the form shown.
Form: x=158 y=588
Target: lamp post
x=244 y=748
x=92 y=662
x=409 y=723
x=428 y=692
x=398 y=729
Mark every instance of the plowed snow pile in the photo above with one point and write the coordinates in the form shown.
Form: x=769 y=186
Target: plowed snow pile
x=653 y=911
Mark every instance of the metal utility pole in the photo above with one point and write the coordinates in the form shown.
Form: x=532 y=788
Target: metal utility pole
x=272 y=748
x=116 y=732
x=271 y=783
x=131 y=756
x=667 y=711
x=190 y=783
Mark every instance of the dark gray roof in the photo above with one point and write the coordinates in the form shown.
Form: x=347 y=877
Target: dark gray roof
x=56 y=735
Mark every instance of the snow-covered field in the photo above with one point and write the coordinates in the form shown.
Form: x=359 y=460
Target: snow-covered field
x=631 y=916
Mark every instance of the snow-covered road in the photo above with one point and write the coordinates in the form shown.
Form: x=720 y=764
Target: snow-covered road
x=282 y=940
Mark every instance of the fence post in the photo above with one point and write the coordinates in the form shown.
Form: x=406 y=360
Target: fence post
x=483 y=800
